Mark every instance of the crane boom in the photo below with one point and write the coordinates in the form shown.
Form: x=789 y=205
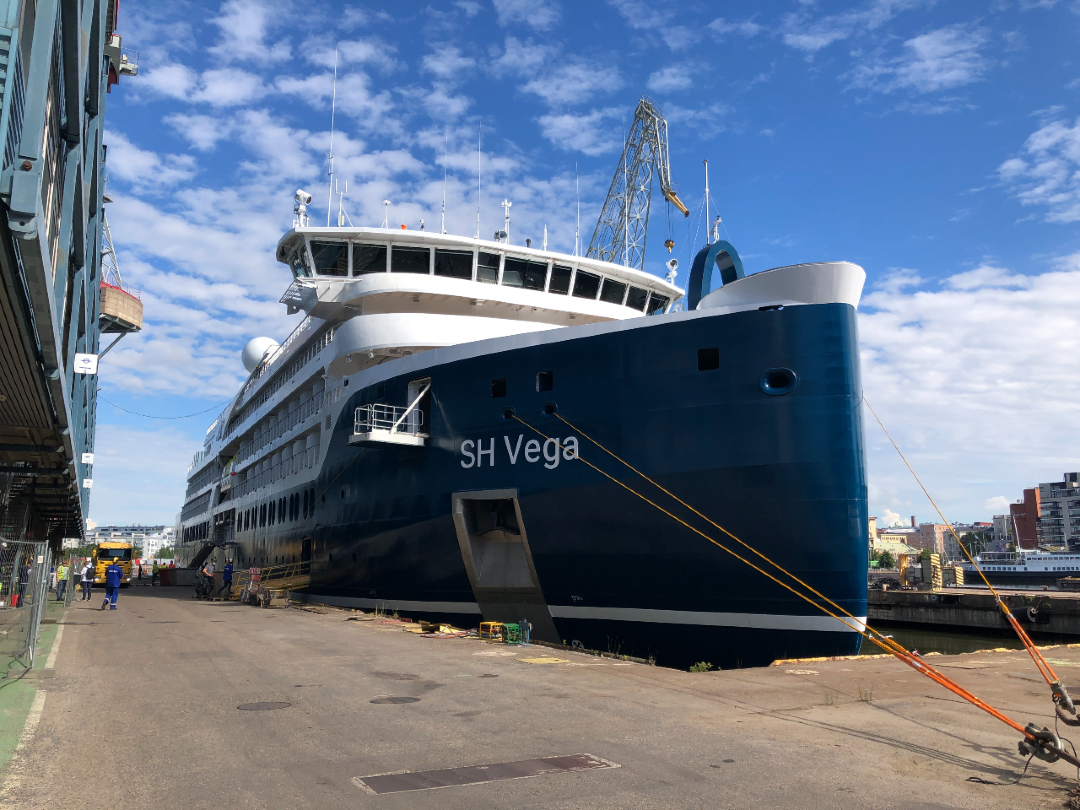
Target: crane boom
x=624 y=221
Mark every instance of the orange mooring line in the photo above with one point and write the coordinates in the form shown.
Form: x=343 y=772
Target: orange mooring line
x=869 y=633
x=1057 y=688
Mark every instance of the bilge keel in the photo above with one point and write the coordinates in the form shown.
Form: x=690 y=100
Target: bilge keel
x=406 y=442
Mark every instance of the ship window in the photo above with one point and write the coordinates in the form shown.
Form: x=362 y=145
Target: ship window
x=657 y=303
x=305 y=502
x=498 y=387
x=521 y=273
x=331 y=258
x=270 y=517
x=612 y=291
x=636 y=298
x=708 y=359
x=368 y=259
x=410 y=260
x=586 y=285
x=299 y=262
x=560 y=280
x=262 y=515
x=453 y=263
x=545 y=380
x=487 y=267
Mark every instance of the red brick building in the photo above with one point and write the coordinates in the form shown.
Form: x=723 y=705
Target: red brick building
x=1025 y=517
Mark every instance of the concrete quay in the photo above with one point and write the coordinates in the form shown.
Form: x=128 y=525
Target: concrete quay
x=150 y=706
x=1049 y=612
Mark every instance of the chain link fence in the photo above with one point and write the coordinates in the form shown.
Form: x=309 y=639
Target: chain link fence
x=24 y=589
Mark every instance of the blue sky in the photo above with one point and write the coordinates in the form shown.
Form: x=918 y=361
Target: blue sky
x=935 y=144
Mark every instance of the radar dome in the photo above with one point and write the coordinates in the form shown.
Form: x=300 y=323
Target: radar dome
x=255 y=350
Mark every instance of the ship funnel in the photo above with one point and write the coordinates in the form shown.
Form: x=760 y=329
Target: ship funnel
x=256 y=351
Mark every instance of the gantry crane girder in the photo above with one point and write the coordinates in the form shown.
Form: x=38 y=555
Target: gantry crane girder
x=623 y=225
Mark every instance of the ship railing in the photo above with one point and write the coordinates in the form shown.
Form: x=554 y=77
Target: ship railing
x=390 y=424
x=300 y=417
x=306 y=460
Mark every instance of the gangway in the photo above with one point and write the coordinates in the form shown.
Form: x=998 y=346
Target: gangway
x=261 y=586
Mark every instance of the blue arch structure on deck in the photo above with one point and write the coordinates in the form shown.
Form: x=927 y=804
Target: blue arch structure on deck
x=719 y=254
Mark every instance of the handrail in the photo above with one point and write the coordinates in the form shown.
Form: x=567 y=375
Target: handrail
x=385 y=417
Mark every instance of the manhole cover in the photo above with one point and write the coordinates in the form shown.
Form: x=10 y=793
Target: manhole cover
x=263 y=706
x=395 y=699
x=396 y=676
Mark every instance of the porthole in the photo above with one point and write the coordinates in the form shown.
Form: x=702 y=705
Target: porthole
x=509 y=414
x=550 y=409
x=778 y=381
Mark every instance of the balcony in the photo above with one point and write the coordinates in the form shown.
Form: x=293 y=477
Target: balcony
x=388 y=424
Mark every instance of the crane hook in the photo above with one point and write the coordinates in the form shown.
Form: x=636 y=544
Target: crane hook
x=669 y=244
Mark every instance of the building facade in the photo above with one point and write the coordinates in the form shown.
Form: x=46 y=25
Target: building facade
x=1059 y=513
x=58 y=60
x=1025 y=519
x=151 y=539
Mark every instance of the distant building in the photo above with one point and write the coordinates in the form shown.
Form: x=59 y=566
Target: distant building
x=1058 y=505
x=1025 y=518
x=982 y=530
x=1003 y=531
x=931 y=537
x=150 y=539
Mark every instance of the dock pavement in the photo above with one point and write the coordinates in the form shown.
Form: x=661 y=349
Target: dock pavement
x=171 y=703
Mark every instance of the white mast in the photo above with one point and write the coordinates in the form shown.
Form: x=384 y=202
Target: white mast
x=479 y=136
x=506 y=219
x=544 y=246
x=708 y=238
x=442 y=214
x=333 y=107
x=577 y=230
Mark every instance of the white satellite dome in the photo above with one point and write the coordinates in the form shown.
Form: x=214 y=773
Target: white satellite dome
x=255 y=350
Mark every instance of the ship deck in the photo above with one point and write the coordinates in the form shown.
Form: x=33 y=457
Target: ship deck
x=830 y=734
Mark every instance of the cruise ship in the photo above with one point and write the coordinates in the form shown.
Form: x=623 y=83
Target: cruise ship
x=1025 y=567
x=418 y=441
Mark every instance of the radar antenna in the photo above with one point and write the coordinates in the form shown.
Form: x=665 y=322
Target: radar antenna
x=624 y=221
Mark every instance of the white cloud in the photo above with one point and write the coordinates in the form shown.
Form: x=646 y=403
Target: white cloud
x=229 y=87
x=372 y=51
x=998 y=505
x=244 y=26
x=705 y=121
x=969 y=380
x=940 y=60
x=575 y=82
x=583 y=133
x=146 y=170
x=745 y=28
x=541 y=15
x=671 y=78
x=1049 y=175
x=804 y=33
x=157 y=470
x=889 y=518
x=447 y=62
x=201 y=131
x=470 y=7
x=522 y=58
x=170 y=80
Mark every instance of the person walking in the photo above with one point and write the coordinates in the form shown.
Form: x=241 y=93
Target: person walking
x=208 y=573
x=24 y=581
x=61 y=581
x=113 y=575
x=87 y=580
x=154 y=574
x=226 y=579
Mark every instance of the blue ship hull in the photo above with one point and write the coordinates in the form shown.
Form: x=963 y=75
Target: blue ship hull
x=785 y=473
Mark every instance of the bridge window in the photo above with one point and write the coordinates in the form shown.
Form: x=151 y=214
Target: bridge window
x=331 y=258
x=487 y=267
x=368 y=259
x=657 y=303
x=453 y=263
x=636 y=298
x=522 y=273
x=410 y=260
x=612 y=291
x=560 y=280
x=586 y=285
x=298 y=261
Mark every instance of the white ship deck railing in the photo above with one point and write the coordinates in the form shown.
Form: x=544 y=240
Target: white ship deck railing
x=280 y=471
x=390 y=418
x=298 y=418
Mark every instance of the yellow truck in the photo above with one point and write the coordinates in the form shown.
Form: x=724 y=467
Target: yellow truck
x=108 y=552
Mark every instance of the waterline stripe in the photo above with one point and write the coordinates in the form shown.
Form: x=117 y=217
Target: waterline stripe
x=752 y=621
